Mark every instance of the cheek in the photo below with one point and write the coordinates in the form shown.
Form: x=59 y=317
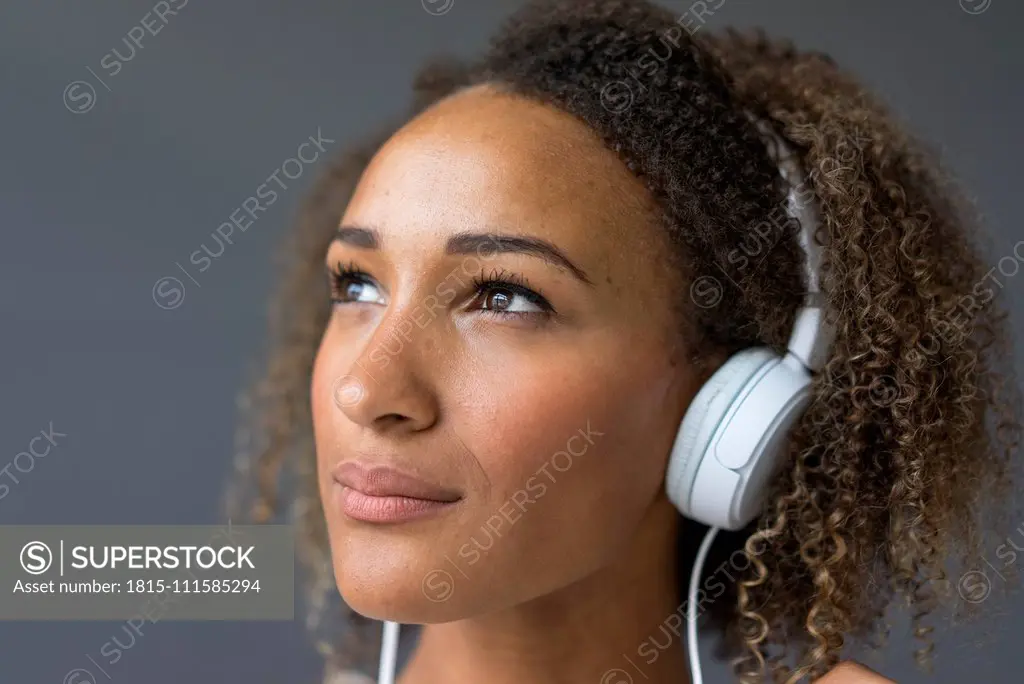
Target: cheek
x=327 y=415
x=320 y=395
x=574 y=448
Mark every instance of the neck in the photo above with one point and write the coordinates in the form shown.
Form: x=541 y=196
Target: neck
x=617 y=620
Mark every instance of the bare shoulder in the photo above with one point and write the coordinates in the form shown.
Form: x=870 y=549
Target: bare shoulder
x=849 y=672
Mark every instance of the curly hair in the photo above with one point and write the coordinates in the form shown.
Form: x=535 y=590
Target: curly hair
x=903 y=463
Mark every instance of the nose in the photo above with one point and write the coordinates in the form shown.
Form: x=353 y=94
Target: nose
x=389 y=388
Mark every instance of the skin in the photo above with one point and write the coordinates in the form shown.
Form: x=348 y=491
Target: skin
x=515 y=581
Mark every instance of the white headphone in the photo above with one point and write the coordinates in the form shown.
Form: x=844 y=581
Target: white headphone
x=732 y=440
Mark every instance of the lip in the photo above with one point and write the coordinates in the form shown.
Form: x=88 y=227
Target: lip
x=380 y=493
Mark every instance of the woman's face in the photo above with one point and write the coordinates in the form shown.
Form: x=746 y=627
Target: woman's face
x=504 y=337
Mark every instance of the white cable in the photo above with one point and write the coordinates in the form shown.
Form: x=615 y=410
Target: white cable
x=388 y=653
x=691 y=606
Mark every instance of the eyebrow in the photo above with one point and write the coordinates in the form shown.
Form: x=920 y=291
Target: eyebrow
x=478 y=243
x=367 y=238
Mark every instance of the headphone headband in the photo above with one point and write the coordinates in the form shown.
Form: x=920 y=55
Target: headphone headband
x=813 y=333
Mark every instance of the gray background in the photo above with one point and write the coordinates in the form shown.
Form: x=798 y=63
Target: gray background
x=98 y=206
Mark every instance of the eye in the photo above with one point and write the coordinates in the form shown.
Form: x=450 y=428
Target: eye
x=506 y=300
x=509 y=295
x=350 y=285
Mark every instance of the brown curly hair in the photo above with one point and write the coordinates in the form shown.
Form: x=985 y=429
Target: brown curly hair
x=903 y=462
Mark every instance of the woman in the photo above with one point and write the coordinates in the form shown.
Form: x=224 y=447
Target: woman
x=552 y=256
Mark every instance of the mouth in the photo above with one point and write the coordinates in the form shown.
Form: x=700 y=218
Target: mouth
x=381 y=494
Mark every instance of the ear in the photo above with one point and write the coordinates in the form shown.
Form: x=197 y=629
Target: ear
x=706 y=364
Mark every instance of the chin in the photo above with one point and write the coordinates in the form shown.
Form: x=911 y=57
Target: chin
x=400 y=587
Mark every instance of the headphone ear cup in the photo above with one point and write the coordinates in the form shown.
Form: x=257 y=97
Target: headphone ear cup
x=710 y=405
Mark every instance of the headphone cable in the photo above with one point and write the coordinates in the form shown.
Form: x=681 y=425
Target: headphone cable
x=388 y=653
x=691 y=606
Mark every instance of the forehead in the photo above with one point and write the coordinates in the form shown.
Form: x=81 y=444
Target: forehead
x=486 y=159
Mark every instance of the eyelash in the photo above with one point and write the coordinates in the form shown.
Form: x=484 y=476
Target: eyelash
x=339 y=277
x=498 y=279
x=517 y=285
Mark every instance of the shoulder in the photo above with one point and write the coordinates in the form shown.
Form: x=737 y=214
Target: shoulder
x=848 y=672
